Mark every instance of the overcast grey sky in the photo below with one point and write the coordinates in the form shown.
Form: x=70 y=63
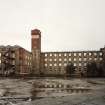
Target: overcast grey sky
x=65 y=24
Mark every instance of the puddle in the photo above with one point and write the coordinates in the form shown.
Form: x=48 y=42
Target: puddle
x=56 y=89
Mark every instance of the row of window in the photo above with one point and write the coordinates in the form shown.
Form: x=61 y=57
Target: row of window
x=75 y=59
x=74 y=54
x=65 y=64
x=28 y=57
x=55 y=71
x=27 y=63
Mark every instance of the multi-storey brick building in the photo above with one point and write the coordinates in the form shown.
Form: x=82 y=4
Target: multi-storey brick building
x=15 y=59
x=55 y=63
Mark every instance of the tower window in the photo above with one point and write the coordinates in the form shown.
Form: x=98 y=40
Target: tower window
x=35 y=36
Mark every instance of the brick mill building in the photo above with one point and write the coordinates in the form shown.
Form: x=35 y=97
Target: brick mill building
x=15 y=60
x=45 y=63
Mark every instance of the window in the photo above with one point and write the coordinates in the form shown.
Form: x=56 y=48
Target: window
x=65 y=64
x=84 y=59
x=28 y=63
x=95 y=59
x=85 y=64
x=80 y=54
x=55 y=55
x=50 y=55
x=80 y=59
x=79 y=64
x=26 y=56
x=69 y=54
x=69 y=59
x=65 y=59
x=60 y=59
x=65 y=54
x=60 y=64
x=50 y=59
x=100 y=58
x=74 y=59
x=84 y=54
x=13 y=62
x=90 y=54
x=59 y=54
x=75 y=64
x=0 y=54
x=100 y=53
x=55 y=59
x=30 y=58
x=90 y=58
x=55 y=64
x=0 y=61
x=45 y=64
x=45 y=55
x=50 y=64
x=45 y=59
x=75 y=54
x=95 y=54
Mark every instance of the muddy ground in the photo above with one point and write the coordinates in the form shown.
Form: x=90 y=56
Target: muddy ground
x=52 y=91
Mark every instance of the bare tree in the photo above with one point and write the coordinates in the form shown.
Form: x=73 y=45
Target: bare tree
x=70 y=69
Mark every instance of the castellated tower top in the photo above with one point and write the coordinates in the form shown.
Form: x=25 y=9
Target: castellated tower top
x=35 y=32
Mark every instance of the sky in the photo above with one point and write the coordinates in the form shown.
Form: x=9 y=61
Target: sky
x=65 y=25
